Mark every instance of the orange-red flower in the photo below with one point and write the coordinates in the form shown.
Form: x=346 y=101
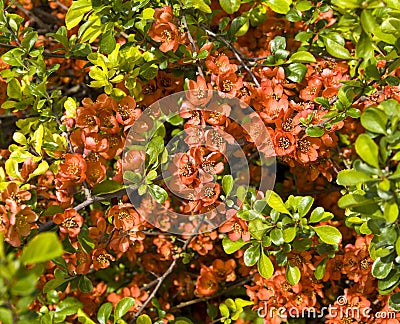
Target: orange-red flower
x=200 y=93
x=235 y=227
x=207 y=282
x=307 y=149
x=124 y=217
x=101 y=259
x=70 y=222
x=14 y=197
x=284 y=143
x=72 y=170
x=126 y=111
x=165 y=33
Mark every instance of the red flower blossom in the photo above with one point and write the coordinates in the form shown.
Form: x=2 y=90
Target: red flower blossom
x=72 y=170
x=307 y=149
x=284 y=143
x=126 y=111
x=70 y=222
x=312 y=90
x=207 y=283
x=14 y=197
x=165 y=33
x=101 y=259
x=235 y=227
x=200 y=93
x=124 y=216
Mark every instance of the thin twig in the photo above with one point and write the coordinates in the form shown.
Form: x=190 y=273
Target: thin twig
x=93 y=199
x=161 y=279
x=203 y=299
x=192 y=42
x=235 y=52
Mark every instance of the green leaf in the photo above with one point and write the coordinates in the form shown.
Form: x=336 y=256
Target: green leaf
x=257 y=228
x=85 y=284
x=198 y=4
x=347 y=4
x=61 y=278
x=237 y=24
x=394 y=301
x=294 y=15
x=391 y=211
x=69 y=306
x=84 y=318
x=319 y=214
x=320 y=269
x=389 y=283
x=278 y=43
x=107 y=42
x=13 y=57
x=123 y=307
x=148 y=71
x=252 y=255
x=265 y=266
x=41 y=169
x=293 y=274
x=275 y=202
x=258 y=15
x=296 y=72
x=374 y=120
x=315 y=131
x=368 y=150
x=328 y=234
x=302 y=57
x=304 y=205
x=148 y=13
x=364 y=47
x=76 y=12
x=106 y=187
x=352 y=177
x=336 y=50
x=289 y=234
x=41 y=248
x=232 y=246
x=230 y=6
x=159 y=194
x=381 y=269
x=227 y=184
x=279 y=6
x=14 y=89
x=29 y=40
x=240 y=303
x=276 y=236
x=6 y=316
x=104 y=313
x=303 y=5
x=224 y=310
x=38 y=139
x=143 y=319
x=354 y=200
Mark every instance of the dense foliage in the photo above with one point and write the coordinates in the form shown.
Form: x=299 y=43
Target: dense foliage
x=82 y=240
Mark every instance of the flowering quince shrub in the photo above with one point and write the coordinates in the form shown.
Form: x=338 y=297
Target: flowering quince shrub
x=88 y=215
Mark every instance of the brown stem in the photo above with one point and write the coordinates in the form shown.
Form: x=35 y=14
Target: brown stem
x=203 y=299
x=171 y=268
x=235 y=52
x=192 y=42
